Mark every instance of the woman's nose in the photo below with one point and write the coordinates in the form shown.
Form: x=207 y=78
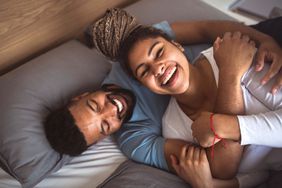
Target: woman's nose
x=158 y=69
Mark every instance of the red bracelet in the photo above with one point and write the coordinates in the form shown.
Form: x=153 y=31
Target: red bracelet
x=215 y=136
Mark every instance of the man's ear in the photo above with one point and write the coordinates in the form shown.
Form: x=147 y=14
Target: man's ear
x=179 y=46
x=76 y=98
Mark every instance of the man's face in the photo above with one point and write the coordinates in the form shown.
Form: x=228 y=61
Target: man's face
x=101 y=113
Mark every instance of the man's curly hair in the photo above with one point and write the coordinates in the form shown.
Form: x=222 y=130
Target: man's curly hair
x=63 y=134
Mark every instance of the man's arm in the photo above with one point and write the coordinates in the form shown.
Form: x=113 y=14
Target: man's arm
x=259 y=129
x=192 y=32
x=237 y=50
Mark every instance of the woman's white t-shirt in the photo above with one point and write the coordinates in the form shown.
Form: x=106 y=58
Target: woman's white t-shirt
x=257 y=159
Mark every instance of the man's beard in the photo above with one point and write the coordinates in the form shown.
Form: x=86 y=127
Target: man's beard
x=126 y=94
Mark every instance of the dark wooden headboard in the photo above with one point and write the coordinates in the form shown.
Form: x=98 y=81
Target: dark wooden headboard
x=31 y=27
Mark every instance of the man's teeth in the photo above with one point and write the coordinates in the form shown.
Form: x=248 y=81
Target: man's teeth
x=119 y=104
x=169 y=75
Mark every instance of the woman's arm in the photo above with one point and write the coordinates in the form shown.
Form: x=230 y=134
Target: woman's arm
x=220 y=164
x=193 y=167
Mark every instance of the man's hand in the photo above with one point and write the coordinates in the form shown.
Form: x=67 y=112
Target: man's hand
x=193 y=167
x=270 y=51
x=234 y=54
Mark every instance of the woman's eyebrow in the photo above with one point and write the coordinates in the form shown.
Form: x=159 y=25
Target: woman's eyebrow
x=152 y=47
x=149 y=53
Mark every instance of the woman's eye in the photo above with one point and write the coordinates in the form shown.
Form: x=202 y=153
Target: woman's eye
x=159 y=52
x=144 y=72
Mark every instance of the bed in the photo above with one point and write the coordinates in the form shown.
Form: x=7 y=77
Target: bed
x=41 y=84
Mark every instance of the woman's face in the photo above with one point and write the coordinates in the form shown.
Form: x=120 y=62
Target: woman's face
x=160 y=65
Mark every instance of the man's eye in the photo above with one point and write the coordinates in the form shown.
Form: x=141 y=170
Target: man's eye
x=93 y=105
x=159 y=52
x=105 y=127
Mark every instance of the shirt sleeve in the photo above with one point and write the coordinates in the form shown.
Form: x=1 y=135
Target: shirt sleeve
x=141 y=139
x=142 y=142
x=263 y=128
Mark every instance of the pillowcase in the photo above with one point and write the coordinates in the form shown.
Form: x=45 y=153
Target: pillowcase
x=131 y=174
x=28 y=94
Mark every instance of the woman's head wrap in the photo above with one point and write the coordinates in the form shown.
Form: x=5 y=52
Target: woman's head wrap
x=111 y=30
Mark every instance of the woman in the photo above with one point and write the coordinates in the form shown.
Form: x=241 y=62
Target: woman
x=142 y=52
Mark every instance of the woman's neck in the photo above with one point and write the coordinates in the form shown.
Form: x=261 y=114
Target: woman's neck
x=201 y=92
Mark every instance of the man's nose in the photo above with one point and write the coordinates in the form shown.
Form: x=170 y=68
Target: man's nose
x=157 y=69
x=109 y=110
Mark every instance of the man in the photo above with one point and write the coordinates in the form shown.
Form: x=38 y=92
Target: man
x=88 y=118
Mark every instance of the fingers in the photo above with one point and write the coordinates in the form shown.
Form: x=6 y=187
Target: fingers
x=190 y=153
x=237 y=35
x=174 y=160
x=273 y=70
x=277 y=85
x=196 y=155
x=216 y=43
x=246 y=38
x=203 y=155
x=175 y=163
x=261 y=56
x=227 y=36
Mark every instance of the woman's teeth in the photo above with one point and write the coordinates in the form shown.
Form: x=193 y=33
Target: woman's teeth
x=169 y=75
x=119 y=104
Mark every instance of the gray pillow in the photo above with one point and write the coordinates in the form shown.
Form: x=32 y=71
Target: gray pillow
x=27 y=95
x=130 y=174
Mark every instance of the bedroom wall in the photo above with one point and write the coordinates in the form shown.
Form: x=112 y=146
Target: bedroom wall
x=31 y=27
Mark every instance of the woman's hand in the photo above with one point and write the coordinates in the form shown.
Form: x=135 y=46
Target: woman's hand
x=193 y=167
x=224 y=126
x=270 y=51
x=201 y=130
x=234 y=54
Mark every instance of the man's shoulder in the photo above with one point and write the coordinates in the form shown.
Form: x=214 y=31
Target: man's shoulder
x=118 y=76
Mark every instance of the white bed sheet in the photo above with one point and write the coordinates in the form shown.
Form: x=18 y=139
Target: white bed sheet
x=85 y=171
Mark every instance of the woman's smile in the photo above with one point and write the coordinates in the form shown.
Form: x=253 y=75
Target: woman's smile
x=170 y=76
